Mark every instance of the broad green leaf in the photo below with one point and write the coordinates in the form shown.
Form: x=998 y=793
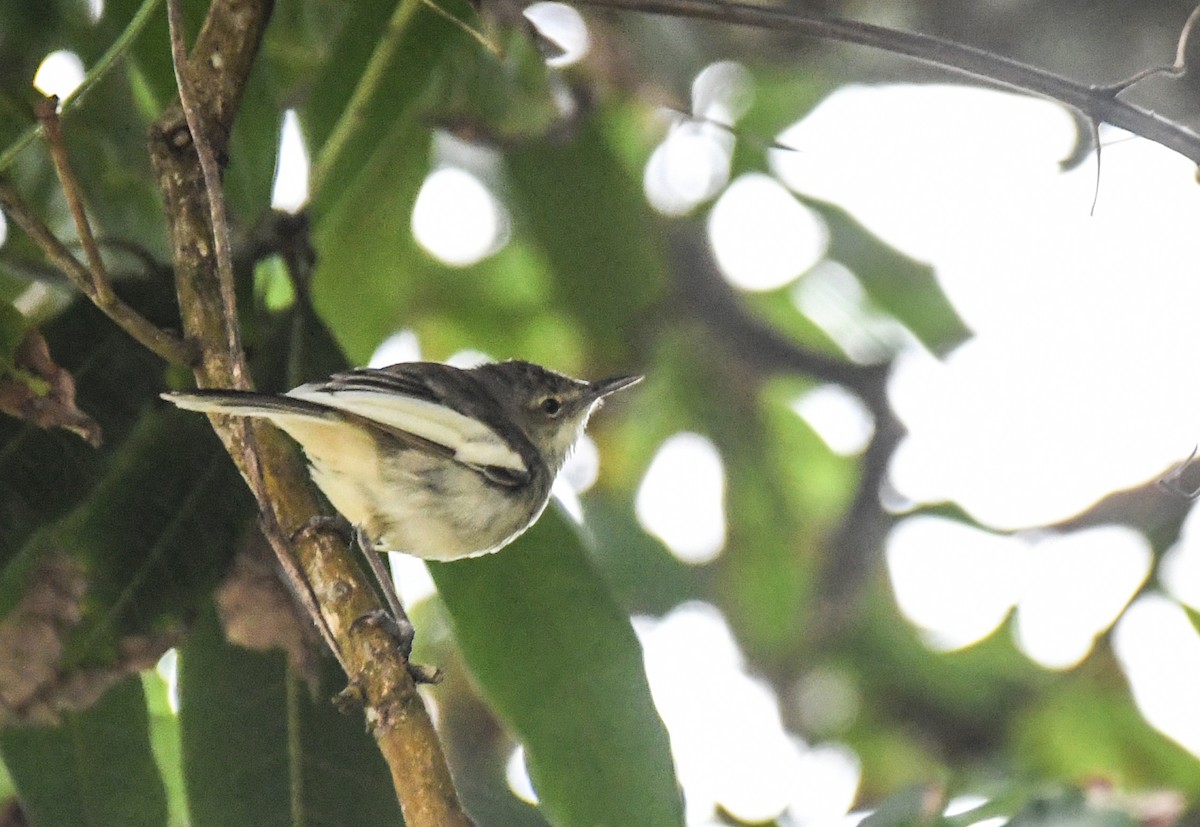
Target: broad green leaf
x=44 y=474
x=259 y=749
x=507 y=97
x=373 y=278
x=576 y=203
x=352 y=117
x=164 y=738
x=558 y=660
x=253 y=147
x=97 y=768
x=642 y=571
x=370 y=271
x=156 y=534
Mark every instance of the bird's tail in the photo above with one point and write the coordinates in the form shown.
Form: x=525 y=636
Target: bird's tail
x=248 y=403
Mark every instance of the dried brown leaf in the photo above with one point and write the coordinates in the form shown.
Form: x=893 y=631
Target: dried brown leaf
x=34 y=687
x=41 y=392
x=258 y=612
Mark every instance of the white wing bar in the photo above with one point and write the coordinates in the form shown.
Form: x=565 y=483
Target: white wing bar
x=472 y=441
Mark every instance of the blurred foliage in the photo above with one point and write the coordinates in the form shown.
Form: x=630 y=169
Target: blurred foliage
x=536 y=641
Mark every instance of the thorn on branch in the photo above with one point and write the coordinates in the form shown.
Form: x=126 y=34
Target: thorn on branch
x=1173 y=481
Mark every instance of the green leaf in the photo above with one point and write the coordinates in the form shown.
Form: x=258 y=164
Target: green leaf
x=259 y=749
x=902 y=286
x=559 y=661
x=576 y=203
x=156 y=534
x=45 y=474
x=642 y=571
x=12 y=332
x=164 y=738
x=97 y=768
x=383 y=64
x=507 y=97
x=1084 y=726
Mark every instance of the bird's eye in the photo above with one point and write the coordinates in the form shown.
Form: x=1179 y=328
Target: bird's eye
x=551 y=406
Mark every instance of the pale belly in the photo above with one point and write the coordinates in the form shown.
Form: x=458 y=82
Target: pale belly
x=427 y=507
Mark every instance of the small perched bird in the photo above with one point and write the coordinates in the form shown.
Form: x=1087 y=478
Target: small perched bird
x=429 y=459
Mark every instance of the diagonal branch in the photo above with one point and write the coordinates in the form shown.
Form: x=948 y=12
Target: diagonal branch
x=1097 y=103
x=47 y=115
x=212 y=83
x=214 y=194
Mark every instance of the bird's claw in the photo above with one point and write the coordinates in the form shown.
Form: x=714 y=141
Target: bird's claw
x=400 y=630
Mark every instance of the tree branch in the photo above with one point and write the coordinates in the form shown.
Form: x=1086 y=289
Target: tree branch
x=169 y=347
x=1099 y=104
x=213 y=80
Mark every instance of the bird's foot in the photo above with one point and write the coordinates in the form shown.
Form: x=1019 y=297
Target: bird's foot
x=400 y=630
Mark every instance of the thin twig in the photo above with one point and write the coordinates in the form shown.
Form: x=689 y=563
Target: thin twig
x=212 y=185
x=464 y=27
x=94 y=76
x=171 y=348
x=1175 y=70
x=47 y=115
x=1099 y=103
x=1184 y=35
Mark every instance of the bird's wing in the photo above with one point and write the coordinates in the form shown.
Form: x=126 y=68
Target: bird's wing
x=418 y=398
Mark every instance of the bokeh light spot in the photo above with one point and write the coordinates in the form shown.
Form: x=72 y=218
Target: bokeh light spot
x=682 y=498
x=762 y=237
x=955 y=582
x=168 y=669
x=517 y=776
x=60 y=73
x=690 y=166
x=457 y=219
x=958 y=583
x=564 y=26
x=742 y=760
x=401 y=346
x=290 y=190
x=1159 y=651
x=839 y=417
x=1075 y=587
x=722 y=92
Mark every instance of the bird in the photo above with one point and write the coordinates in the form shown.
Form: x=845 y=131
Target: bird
x=426 y=458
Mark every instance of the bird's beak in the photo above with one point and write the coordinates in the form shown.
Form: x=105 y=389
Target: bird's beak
x=601 y=389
